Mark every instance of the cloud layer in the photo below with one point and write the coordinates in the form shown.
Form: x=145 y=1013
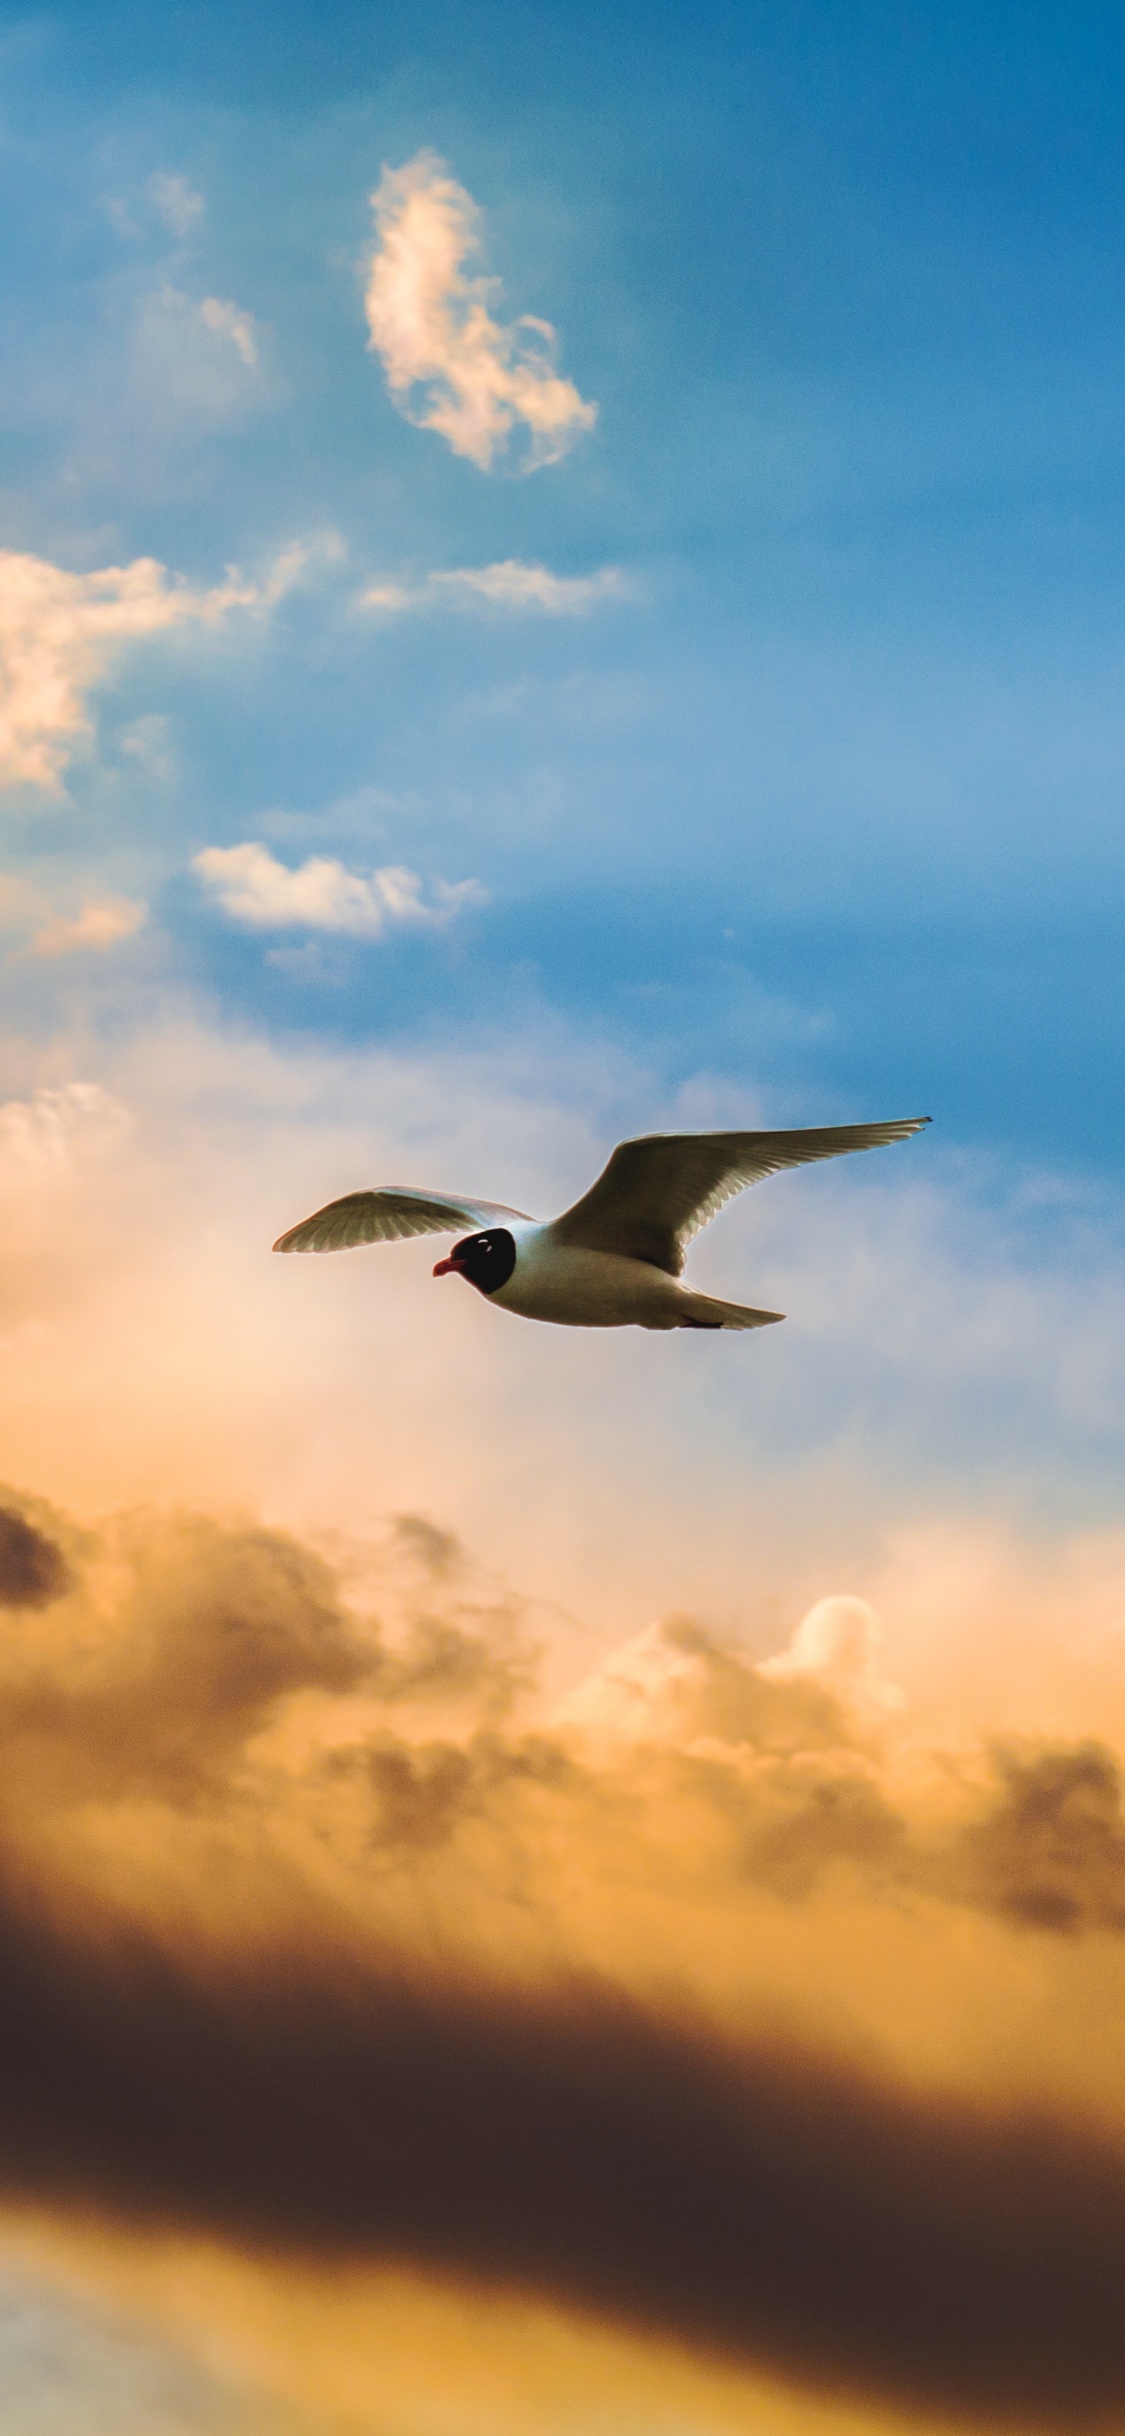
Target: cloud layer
x=450 y=366
x=300 y=1897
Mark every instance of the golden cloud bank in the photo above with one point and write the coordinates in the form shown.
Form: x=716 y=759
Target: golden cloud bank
x=324 y=1937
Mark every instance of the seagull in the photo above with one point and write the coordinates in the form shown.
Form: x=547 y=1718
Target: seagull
x=614 y=1260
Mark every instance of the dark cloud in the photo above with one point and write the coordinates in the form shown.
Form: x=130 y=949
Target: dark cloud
x=838 y=1822
x=213 y=1628
x=33 y=1569
x=437 y=1550
x=760 y=2204
x=1050 y=1852
x=424 y=1792
x=1043 y=1847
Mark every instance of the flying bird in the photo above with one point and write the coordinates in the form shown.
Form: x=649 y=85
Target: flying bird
x=614 y=1260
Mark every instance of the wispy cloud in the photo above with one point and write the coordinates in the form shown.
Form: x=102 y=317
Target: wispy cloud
x=510 y=583
x=60 y=632
x=450 y=366
x=56 y=1129
x=49 y=931
x=176 y=202
x=227 y=320
x=322 y=895
x=100 y=924
x=197 y=362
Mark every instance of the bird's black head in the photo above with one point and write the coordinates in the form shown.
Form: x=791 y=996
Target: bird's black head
x=486 y=1260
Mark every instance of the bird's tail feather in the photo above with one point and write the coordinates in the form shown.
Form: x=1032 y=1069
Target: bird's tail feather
x=703 y=1311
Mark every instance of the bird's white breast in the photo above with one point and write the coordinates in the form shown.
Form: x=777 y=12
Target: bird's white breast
x=580 y=1289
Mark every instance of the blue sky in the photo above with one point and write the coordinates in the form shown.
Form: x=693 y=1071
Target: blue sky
x=829 y=799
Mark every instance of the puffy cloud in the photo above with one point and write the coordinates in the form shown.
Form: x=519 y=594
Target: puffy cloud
x=673 y=1683
x=322 y=895
x=838 y=1645
x=60 y=632
x=509 y=584
x=100 y=924
x=319 y=1940
x=450 y=366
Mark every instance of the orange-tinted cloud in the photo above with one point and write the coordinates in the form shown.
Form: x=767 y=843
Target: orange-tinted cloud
x=61 y=631
x=450 y=366
x=100 y=924
x=319 y=1938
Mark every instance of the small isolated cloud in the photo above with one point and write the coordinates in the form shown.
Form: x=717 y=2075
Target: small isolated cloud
x=59 y=633
x=508 y=584
x=176 y=202
x=228 y=320
x=322 y=895
x=197 y=360
x=100 y=924
x=450 y=366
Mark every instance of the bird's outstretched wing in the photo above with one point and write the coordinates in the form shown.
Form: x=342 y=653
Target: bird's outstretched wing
x=383 y=1216
x=656 y=1193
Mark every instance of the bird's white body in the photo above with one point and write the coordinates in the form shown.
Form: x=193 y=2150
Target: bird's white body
x=614 y=1259
x=580 y=1289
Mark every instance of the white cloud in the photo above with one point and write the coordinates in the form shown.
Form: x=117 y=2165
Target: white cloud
x=508 y=584
x=838 y=1644
x=59 y=633
x=101 y=923
x=450 y=367
x=228 y=320
x=255 y=889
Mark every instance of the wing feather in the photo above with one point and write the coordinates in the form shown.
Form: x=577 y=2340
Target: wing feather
x=656 y=1193
x=385 y=1216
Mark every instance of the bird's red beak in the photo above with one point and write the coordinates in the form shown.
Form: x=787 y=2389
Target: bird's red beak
x=447 y=1268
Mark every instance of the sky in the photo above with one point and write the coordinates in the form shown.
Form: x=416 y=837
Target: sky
x=560 y=577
